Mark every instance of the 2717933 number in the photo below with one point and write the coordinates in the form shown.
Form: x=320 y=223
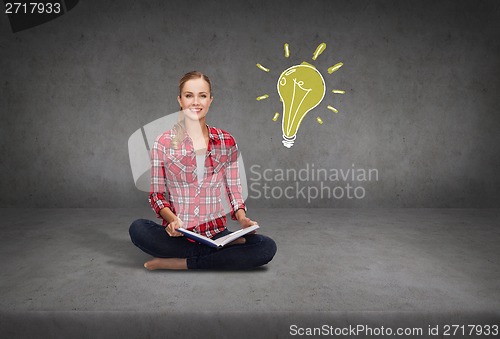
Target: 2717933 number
x=469 y=330
x=32 y=8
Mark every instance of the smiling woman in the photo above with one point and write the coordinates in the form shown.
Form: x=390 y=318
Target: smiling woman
x=194 y=100
x=194 y=168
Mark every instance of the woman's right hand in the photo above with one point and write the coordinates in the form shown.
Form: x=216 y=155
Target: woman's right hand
x=171 y=228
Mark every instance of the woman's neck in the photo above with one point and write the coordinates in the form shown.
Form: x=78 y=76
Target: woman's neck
x=198 y=132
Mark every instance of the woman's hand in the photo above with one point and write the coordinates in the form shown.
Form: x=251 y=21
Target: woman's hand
x=171 y=228
x=247 y=222
x=244 y=221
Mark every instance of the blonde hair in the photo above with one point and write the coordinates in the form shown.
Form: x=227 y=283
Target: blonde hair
x=179 y=128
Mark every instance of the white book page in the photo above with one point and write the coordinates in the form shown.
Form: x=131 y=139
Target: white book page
x=235 y=235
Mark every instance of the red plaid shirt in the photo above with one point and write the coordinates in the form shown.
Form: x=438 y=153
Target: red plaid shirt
x=174 y=181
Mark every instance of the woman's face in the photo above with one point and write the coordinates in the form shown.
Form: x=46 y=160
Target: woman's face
x=195 y=98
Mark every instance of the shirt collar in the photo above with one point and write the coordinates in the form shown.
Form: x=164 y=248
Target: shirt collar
x=212 y=133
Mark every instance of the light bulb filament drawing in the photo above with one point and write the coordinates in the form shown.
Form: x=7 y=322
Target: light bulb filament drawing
x=292 y=114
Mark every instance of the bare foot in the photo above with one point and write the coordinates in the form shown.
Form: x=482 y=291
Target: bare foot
x=238 y=241
x=166 y=264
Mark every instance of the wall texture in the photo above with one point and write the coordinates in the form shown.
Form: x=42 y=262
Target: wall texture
x=421 y=105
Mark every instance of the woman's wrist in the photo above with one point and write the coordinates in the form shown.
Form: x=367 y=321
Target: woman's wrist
x=167 y=214
x=240 y=214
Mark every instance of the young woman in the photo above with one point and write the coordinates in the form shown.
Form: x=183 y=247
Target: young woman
x=194 y=167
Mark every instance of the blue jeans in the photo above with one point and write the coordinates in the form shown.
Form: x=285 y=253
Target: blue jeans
x=152 y=238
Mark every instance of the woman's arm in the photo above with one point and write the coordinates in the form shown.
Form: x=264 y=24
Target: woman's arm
x=167 y=214
x=163 y=208
x=232 y=181
x=233 y=187
x=244 y=221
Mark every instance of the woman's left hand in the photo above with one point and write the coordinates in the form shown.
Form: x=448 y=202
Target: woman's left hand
x=247 y=222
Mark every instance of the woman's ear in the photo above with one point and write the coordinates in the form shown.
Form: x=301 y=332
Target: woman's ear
x=179 y=101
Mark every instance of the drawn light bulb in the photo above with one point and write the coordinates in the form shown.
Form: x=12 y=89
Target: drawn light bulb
x=301 y=88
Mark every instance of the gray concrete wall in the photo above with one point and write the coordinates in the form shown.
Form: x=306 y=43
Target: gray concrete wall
x=421 y=105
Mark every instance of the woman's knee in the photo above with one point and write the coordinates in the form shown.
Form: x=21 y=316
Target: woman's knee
x=136 y=228
x=267 y=249
x=270 y=247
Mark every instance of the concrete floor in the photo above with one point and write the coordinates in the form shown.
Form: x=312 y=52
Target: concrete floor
x=75 y=273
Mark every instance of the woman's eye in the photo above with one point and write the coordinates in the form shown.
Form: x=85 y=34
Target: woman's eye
x=203 y=96
x=188 y=95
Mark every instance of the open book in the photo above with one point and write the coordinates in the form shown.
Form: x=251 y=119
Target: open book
x=222 y=241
